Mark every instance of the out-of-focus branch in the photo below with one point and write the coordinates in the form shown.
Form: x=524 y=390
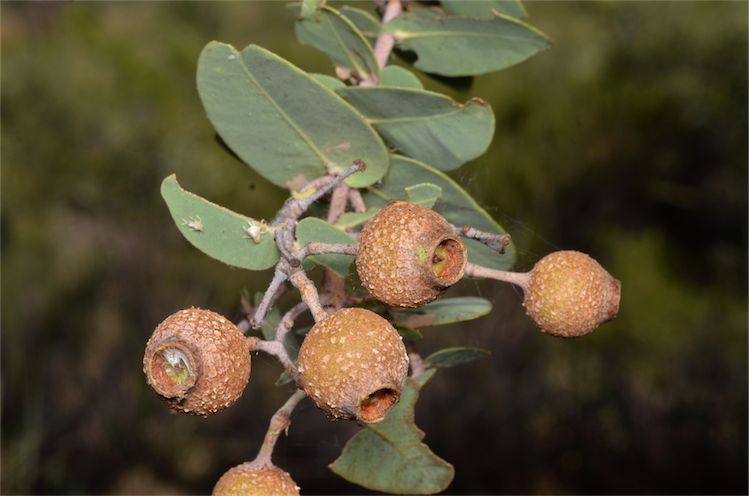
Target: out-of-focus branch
x=279 y=422
x=385 y=41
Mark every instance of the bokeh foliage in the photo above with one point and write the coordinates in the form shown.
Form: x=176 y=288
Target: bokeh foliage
x=626 y=140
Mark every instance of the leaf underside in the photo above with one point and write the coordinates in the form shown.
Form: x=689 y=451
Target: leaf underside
x=443 y=311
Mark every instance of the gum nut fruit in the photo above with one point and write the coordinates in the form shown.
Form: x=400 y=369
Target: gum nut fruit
x=246 y=479
x=197 y=361
x=408 y=255
x=353 y=364
x=569 y=294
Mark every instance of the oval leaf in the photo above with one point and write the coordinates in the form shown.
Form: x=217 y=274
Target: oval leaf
x=424 y=125
x=314 y=229
x=217 y=231
x=464 y=46
x=398 y=77
x=456 y=206
x=330 y=32
x=282 y=122
x=365 y=22
x=349 y=220
x=328 y=81
x=442 y=312
x=452 y=357
x=424 y=194
x=484 y=8
x=390 y=457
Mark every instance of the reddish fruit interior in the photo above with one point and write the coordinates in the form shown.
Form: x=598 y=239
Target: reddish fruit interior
x=376 y=405
x=448 y=260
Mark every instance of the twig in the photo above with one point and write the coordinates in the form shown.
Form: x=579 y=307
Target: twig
x=276 y=349
x=385 y=41
x=279 y=276
x=334 y=288
x=519 y=278
x=356 y=201
x=287 y=321
x=320 y=248
x=309 y=294
x=417 y=364
x=338 y=201
x=279 y=422
x=496 y=242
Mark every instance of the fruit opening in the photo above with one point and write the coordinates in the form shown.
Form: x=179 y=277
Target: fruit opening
x=448 y=261
x=375 y=406
x=171 y=370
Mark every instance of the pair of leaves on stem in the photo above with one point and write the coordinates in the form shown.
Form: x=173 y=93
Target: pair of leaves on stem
x=464 y=38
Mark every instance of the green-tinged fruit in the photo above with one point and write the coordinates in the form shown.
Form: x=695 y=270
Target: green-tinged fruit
x=569 y=294
x=247 y=479
x=197 y=361
x=353 y=364
x=408 y=255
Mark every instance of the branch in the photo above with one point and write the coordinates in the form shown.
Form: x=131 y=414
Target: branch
x=320 y=248
x=277 y=350
x=338 y=201
x=334 y=289
x=385 y=41
x=496 y=242
x=279 y=276
x=519 y=278
x=279 y=422
x=416 y=363
x=356 y=201
x=287 y=321
x=309 y=294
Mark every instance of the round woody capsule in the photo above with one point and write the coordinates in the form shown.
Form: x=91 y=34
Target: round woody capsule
x=197 y=361
x=569 y=294
x=408 y=255
x=353 y=364
x=247 y=479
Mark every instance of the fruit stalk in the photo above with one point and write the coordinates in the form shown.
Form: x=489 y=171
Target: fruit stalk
x=518 y=278
x=279 y=422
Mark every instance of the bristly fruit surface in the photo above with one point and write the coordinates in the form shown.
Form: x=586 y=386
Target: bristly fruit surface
x=197 y=361
x=408 y=255
x=352 y=364
x=569 y=294
x=246 y=479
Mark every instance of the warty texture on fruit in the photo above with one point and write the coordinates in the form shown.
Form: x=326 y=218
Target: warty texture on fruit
x=408 y=255
x=197 y=361
x=569 y=294
x=353 y=364
x=247 y=479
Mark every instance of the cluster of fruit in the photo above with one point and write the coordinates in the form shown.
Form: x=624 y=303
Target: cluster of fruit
x=353 y=362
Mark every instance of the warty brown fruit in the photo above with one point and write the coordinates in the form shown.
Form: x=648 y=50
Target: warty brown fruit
x=569 y=294
x=197 y=361
x=246 y=479
x=353 y=364
x=408 y=255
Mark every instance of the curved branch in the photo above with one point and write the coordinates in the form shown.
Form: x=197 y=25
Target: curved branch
x=279 y=422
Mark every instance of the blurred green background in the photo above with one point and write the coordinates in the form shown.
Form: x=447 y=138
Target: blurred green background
x=626 y=140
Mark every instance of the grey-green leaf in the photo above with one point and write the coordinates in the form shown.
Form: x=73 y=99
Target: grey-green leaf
x=332 y=33
x=452 y=357
x=314 y=229
x=443 y=311
x=390 y=457
x=398 y=77
x=365 y=22
x=310 y=8
x=463 y=46
x=484 y=8
x=217 y=231
x=424 y=194
x=424 y=125
x=350 y=220
x=457 y=206
x=282 y=122
x=328 y=81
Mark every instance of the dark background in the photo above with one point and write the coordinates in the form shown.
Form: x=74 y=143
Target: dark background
x=626 y=140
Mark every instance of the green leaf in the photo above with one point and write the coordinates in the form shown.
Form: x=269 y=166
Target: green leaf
x=282 y=122
x=314 y=229
x=398 y=77
x=451 y=357
x=443 y=311
x=484 y=8
x=390 y=457
x=408 y=334
x=424 y=194
x=463 y=46
x=332 y=33
x=365 y=22
x=456 y=206
x=284 y=378
x=328 y=81
x=350 y=220
x=424 y=125
x=217 y=231
x=310 y=8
